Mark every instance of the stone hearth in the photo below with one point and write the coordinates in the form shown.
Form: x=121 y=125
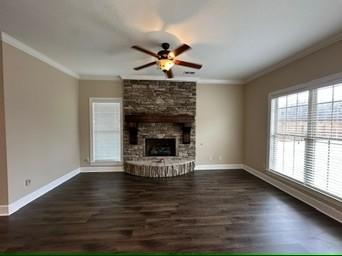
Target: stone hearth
x=159 y=169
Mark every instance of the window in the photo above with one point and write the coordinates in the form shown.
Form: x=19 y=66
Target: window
x=106 y=131
x=305 y=137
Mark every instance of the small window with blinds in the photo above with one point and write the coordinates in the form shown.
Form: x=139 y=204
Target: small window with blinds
x=106 y=129
x=305 y=137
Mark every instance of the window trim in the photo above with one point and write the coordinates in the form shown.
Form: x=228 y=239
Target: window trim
x=313 y=84
x=93 y=162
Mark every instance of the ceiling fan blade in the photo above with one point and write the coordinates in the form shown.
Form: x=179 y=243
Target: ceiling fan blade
x=188 y=64
x=146 y=65
x=169 y=73
x=138 y=48
x=179 y=50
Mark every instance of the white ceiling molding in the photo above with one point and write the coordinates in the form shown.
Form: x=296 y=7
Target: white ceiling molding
x=299 y=55
x=182 y=79
x=161 y=78
x=220 y=81
x=34 y=53
x=29 y=50
x=100 y=77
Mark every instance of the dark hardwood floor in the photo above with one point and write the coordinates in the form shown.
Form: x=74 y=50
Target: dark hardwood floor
x=206 y=211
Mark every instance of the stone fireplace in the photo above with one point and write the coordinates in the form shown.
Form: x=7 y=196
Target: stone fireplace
x=159 y=121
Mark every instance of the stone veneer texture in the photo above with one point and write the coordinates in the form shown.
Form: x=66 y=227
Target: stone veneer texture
x=159 y=97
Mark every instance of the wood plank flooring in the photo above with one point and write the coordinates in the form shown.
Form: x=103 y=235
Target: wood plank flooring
x=205 y=211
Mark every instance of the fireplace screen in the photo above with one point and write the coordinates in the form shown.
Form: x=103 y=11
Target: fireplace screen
x=160 y=147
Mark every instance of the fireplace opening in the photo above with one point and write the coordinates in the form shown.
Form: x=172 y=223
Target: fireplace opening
x=160 y=147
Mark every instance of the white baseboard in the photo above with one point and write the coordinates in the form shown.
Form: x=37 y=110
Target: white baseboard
x=6 y=210
x=102 y=169
x=310 y=200
x=204 y=167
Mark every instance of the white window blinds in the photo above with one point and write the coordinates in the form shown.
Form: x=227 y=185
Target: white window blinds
x=305 y=141
x=106 y=130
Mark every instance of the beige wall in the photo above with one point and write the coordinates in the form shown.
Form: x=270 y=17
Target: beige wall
x=319 y=64
x=41 y=107
x=3 y=162
x=219 y=124
x=88 y=89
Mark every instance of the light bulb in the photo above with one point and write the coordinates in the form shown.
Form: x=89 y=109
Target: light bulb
x=166 y=64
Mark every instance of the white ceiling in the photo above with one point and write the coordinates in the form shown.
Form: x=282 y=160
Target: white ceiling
x=233 y=39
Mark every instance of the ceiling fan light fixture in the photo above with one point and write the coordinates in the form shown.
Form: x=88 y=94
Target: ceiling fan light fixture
x=166 y=59
x=171 y=55
x=166 y=64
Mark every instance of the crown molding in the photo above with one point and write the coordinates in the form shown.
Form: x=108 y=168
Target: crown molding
x=160 y=78
x=220 y=81
x=297 y=56
x=100 y=77
x=182 y=79
x=34 y=53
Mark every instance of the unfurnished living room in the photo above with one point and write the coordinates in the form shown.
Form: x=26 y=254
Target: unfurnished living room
x=171 y=126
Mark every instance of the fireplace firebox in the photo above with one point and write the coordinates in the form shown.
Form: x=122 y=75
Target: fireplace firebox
x=160 y=147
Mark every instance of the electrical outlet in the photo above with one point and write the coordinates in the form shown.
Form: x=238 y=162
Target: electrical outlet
x=210 y=158
x=220 y=157
x=27 y=182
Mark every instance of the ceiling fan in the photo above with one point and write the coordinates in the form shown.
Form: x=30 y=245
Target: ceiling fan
x=166 y=59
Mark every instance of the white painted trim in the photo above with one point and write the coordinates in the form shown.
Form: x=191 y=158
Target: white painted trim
x=102 y=169
x=35 y=53
x=220 y=81
x=151 y=77
x=312 y=84
x=42 y=57
x=6 y=210
x=205 y=167
x=297 y=56
x=15 y=206
x=100 y=77
x=306 y=86
x=310 y=200
x=182 y=79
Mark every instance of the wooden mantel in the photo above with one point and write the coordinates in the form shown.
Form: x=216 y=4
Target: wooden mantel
x=159 y=118
x=134 y=119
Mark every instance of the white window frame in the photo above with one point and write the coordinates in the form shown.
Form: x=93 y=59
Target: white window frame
x=321 y=82
x=104 y=100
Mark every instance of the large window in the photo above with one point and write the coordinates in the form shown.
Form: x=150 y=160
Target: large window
x=106 y=129
x=305 y=138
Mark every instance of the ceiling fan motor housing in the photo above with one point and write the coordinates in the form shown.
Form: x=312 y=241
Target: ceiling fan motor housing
x=164 y=54
x=165 y=46
x=166 y=60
